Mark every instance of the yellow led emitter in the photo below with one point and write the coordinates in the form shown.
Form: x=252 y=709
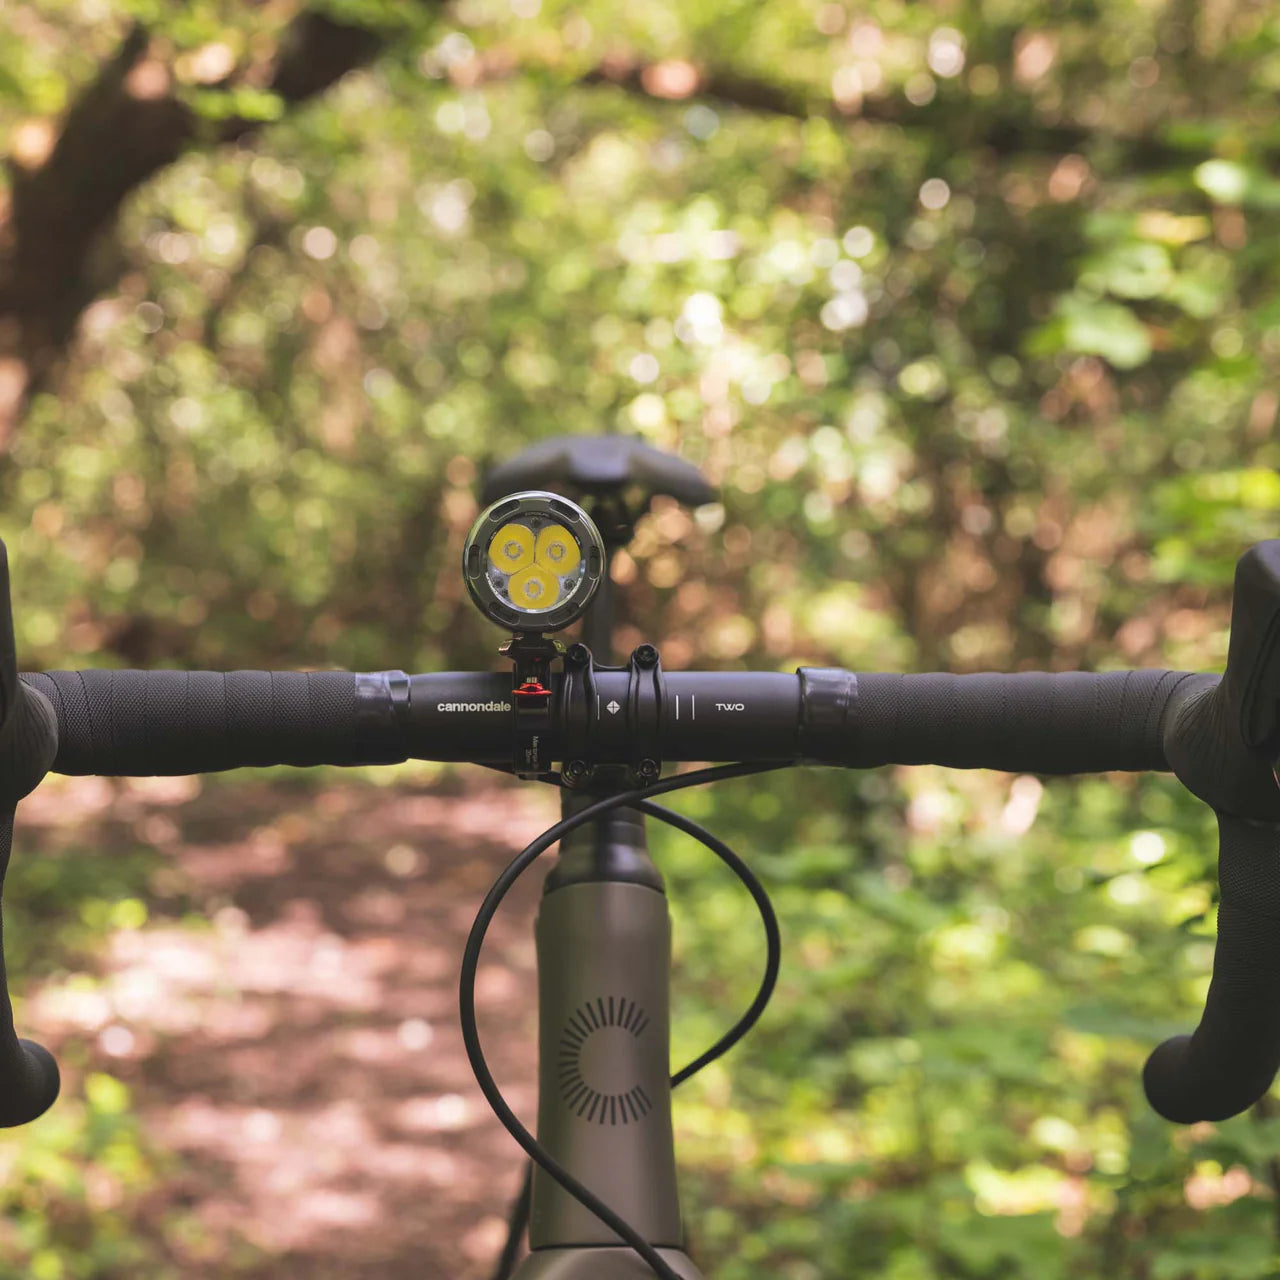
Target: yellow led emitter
x=512 y=548
x=533 y=559
x=538 y=564
x=534 y=588
x=556 y=550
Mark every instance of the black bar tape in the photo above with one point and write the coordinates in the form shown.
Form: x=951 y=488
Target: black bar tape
x=1029 y=722
x=138 y=723
x=29 y=1079
x=1231 y=1059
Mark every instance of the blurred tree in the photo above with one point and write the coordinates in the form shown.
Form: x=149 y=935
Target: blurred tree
x=68 y=180
x=921 y=251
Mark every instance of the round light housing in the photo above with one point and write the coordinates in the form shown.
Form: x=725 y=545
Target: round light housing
x=532 y=561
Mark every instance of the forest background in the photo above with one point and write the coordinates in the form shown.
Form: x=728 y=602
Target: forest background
x=968 y=307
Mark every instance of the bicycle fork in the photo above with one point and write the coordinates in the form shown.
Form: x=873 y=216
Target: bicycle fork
x=603 y=938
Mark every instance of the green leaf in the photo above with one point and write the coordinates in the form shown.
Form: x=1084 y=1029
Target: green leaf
x=1138 y=269
x=236 y=104
x=1224 y=180
x=106 y=1094
x=1229 y=182
x=1089 y=327
x=1200 y=293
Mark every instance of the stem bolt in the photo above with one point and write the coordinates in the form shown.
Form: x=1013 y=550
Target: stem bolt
x=646 y=656
x=648 y=770
x=578 y=655
x=574 y=772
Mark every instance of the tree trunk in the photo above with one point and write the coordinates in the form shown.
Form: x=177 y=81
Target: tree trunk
x=56 y=253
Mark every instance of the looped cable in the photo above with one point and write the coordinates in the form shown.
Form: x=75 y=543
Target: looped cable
x=518 y=1218
x=470 y=964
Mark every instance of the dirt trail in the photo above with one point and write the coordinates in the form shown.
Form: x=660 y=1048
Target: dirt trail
x=302 y=1054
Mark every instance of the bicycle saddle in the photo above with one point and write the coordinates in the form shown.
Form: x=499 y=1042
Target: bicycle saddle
x=598 y=466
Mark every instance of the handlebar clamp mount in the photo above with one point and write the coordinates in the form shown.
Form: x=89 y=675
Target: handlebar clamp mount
x=532 y=713
x=639 y=723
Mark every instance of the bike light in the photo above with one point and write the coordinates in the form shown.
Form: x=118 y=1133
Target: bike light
x=533 y=560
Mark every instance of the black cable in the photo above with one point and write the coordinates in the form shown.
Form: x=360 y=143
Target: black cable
x=467 y=994
x=769 y=918
x=518 y=1219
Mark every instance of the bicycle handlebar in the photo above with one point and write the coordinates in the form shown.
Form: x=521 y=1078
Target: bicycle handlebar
x=132 y=723
x=1218 y=735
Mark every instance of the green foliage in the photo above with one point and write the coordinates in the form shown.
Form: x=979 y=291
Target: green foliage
x=78 y=1185
x=971 y=315
x=72 y=1190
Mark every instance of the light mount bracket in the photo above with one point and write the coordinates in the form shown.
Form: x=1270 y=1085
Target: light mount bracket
x=532 y=713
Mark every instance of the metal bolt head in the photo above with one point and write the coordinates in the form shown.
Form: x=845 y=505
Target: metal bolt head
x=648 y=770
x=573 y=772
x=578 y=655
x=646 y=655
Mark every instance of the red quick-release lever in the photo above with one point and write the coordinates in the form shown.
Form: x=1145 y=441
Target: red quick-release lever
x=532 y=655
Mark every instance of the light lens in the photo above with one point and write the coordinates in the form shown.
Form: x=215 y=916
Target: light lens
x=533 y=562
x=534 y=589
x=557 y=550
x=512 y=548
